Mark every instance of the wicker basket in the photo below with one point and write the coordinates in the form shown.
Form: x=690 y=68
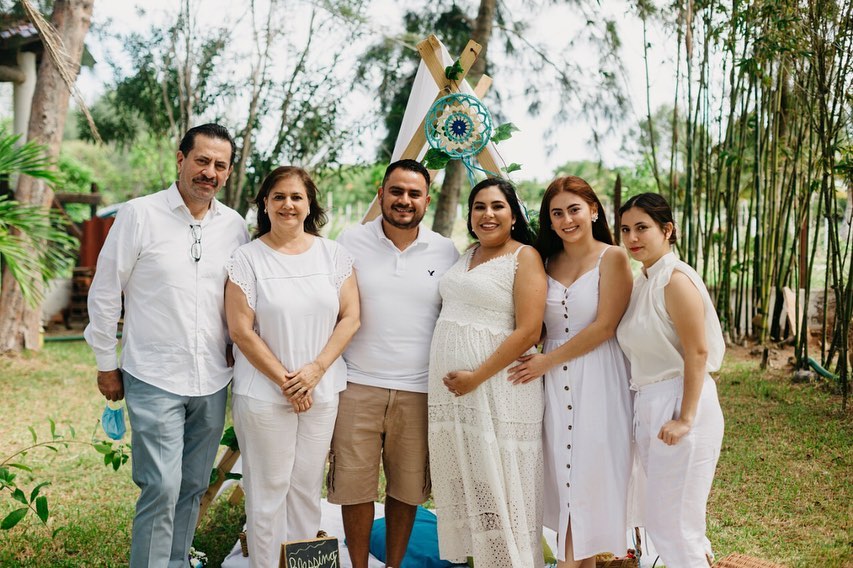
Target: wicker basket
x=743 y=561
x=617 y=563
x=631 y=561
x=244 y=546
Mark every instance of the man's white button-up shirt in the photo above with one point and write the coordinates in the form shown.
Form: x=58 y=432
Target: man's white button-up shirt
x=174 y=334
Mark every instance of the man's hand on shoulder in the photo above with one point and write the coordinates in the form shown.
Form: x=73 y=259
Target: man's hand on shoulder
x=111 y=385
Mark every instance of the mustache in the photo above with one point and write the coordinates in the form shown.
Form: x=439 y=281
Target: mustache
x=205 y=179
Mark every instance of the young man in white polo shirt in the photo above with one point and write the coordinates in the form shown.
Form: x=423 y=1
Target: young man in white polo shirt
x=383 y=411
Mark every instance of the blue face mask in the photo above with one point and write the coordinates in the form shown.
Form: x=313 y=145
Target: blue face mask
x=113 y=422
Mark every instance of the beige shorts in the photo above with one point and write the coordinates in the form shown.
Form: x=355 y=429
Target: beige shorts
x=376 y=423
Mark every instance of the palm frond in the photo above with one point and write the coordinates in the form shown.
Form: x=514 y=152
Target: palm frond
x=27 y=159
x=34 y=246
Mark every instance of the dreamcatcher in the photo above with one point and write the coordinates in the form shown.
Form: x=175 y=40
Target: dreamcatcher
x=459 y=126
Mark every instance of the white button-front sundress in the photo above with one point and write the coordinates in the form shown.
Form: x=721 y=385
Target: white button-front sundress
x=587 y=433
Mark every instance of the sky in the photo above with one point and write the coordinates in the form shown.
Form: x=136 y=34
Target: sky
x=526 y=146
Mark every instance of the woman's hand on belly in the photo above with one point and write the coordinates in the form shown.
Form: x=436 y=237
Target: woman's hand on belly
x=460 y=383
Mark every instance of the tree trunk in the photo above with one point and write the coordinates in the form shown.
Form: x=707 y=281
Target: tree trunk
x=847 y=221
x=448 y=199
x=234 y=190
x=617 y=204
x=481 y=34
x=19 y=322
x=454 y=174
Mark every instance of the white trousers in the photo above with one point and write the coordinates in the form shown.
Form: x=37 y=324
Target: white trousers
x=284 y=457
x=673 y=492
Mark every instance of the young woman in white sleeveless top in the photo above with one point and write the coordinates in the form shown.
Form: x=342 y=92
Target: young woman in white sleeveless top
x=587 y=426
x=672 y=337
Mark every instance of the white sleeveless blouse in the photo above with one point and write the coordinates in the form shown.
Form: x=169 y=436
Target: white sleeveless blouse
x=647 y=334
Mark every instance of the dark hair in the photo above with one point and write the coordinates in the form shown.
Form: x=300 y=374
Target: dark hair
x=316 y=214
x=210 y=130
x=548 y=242
x=521 y=228
x=408 y=165
x=656 y=207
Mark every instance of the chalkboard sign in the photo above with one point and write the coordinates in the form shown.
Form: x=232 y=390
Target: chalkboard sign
x=314 y=553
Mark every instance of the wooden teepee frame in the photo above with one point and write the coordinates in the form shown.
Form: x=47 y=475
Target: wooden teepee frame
x=430 y=50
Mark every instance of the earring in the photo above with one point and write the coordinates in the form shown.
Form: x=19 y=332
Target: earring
x=595 y=217
x=265 y=209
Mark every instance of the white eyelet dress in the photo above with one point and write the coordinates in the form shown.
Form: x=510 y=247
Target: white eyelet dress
x=587 y=428
x=485 y=447
x=673 y=482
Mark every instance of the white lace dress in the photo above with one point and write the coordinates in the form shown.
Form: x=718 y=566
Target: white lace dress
x=485 y=447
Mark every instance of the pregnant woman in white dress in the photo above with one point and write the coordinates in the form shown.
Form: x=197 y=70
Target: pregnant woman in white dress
x=485 y=434
x=587 y=397
x=672 y=337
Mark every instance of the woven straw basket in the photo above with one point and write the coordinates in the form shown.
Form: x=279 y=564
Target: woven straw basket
x=624 y=562
x=617 y=563
x=743 y=561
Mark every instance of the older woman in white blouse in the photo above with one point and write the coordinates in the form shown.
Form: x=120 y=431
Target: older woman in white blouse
x=292 y=307
x=672 y=337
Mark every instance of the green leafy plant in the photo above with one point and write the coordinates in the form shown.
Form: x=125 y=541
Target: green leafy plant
x=453 y=72
x=435 y=159
x=33 y=501
x=33 y=242
x=34 y=245
x=229 y=440
x=26 y=159
x=503 y=132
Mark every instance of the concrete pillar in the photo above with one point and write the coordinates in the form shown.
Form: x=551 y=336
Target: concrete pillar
x=23 y=93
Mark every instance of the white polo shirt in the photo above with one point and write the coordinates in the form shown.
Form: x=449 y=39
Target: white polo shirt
x=399 y=305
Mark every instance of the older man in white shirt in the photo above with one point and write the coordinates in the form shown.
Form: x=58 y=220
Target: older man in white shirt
x=166 y=253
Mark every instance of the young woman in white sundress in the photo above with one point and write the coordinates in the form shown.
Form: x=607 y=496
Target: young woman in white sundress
x=672 y=337
x=485 y=434
x=587 y=398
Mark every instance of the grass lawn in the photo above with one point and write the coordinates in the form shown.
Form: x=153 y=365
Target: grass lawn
x=782 y=489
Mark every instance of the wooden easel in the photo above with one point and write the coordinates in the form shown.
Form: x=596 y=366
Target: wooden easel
x=229 y=458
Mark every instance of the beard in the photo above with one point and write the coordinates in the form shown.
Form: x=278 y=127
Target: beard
x=387 y=215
